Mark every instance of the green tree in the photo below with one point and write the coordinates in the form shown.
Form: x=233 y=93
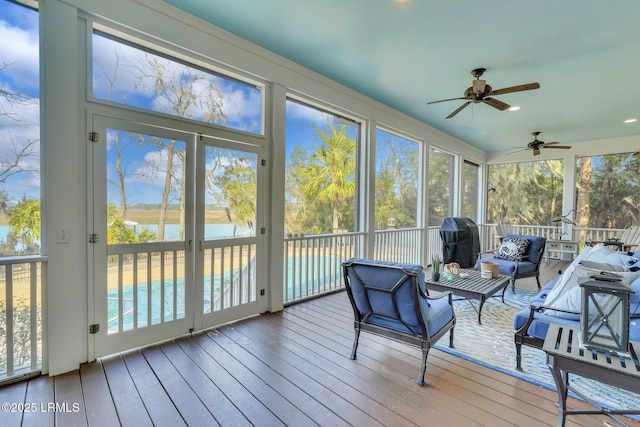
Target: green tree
x=232 y=182
x=330 y=174
x=609 y=190
x=440 y=186
x=118 y=232
x=525 y=193
x=24 y=220
x=396 y=184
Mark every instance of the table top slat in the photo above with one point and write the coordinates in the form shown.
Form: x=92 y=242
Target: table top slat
x=473 y=283
x=569 y=346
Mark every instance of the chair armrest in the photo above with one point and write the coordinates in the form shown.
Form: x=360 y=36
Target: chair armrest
x=440 y=295
x=533 y=308
x=493 y=251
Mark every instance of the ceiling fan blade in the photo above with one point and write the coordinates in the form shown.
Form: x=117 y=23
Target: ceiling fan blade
x=496 y=103
x=519 y=88
x=457 y=110
x=517 y=151
x=557 y=146
x=445 y=100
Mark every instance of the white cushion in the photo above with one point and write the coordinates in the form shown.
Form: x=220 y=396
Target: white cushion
x=566 y=294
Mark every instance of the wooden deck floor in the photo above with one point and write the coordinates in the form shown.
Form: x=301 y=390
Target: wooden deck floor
x=289 y=368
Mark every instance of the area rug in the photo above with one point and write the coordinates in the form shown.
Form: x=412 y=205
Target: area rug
x=491 y=344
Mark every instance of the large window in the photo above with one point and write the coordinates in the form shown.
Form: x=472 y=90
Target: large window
x=608 y=190
x=441 y=172
x=321 y=171
x=525 y=193
x=128 y=74
x=470 y=187
x=20 y=228
x=396 y=181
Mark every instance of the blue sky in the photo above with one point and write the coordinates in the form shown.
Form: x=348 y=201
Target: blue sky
x=19 y=123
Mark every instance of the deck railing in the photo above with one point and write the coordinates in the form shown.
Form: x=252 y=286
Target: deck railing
x=21 y=314
x=313 y=264
x=401 y=245
x=312 y=267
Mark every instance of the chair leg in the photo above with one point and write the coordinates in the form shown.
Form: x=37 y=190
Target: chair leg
x=513 y=284
x=355 y=344
x=451 y=338
x=519 y=357
x=423 y=366
x=538 y=280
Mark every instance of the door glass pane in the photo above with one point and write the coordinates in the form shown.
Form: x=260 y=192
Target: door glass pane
x=230 y=215
x=230 y=193
x=146 y=207
x=145 y=192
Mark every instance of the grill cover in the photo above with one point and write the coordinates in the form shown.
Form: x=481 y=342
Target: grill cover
x=460 y=241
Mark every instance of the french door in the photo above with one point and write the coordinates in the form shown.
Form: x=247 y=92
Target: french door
x=174 y=246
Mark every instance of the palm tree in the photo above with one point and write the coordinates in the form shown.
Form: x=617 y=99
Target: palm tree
x=330 y=176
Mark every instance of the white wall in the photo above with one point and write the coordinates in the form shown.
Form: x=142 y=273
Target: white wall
x=63 y=180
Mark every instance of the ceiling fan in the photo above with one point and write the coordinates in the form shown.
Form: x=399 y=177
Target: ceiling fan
x=536 y=144
x=480 y=91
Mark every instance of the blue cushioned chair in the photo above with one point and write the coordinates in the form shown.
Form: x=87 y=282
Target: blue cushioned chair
x=528 y=265
x=390 y=300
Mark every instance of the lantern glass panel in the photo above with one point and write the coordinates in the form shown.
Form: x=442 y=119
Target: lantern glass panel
x=605 y=316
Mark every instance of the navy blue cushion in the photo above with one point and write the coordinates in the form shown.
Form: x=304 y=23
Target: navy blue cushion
x=535 y=244
x=530 y=261
x=436 y=313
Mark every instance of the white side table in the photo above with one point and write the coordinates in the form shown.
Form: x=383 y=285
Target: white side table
x=560 y=247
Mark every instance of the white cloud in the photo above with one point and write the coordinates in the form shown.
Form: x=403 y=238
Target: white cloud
x=302 y=112
x=19 y=53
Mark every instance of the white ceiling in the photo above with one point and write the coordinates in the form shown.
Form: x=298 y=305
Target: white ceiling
x=584 y=53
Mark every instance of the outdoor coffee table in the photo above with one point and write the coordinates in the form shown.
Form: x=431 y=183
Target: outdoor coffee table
x=473 y=287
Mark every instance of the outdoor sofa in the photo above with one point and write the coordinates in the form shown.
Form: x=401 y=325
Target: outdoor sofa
x=559 y=300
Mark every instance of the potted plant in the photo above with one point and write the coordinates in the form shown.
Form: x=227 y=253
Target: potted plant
x=435 y=268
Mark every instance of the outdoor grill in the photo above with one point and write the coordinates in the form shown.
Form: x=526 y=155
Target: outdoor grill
x=460 y=241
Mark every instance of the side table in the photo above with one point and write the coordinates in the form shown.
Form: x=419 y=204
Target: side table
x=560 y=247
x=565 y=356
